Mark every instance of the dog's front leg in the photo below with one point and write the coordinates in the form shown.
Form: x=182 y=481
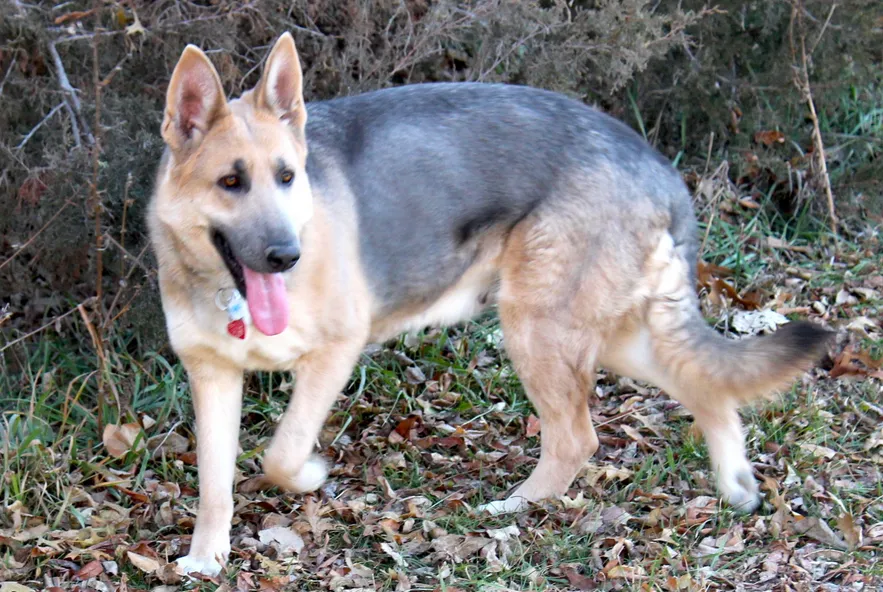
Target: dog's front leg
x=321 y=375
x=217 y=400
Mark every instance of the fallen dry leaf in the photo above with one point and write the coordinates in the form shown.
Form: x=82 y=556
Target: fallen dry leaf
x=120 y=439
x=819 y=530
x=288 y=540
x=852 y=533
x=533 y=426
x=854 y=362
x=274 y=584
x=145 y=564
x=866 y=293
x=819 y=451
x=396 y=556
x=579 y=581
x=729 y=542
x=864 y=326
x=403 y=430
x=171 y=443
x=403 y=582
x=504 y=534
x=845 y=298
x=775 y=242
x=90 y=570
x=769 y=137
x=458 y=547
x=626 y=572
x=755 y=322
x=74 y=16
x=14 y=587
x=710 y=278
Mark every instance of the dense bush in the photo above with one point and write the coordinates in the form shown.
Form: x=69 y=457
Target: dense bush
x=676 y=70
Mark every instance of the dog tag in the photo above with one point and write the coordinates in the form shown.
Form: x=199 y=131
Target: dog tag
x=235 y=308
x=236 y=328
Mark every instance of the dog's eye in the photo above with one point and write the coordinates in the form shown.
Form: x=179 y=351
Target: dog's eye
x=231 y=182
x=286 y=177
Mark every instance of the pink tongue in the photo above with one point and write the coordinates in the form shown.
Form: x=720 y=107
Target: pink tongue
x=267 y=301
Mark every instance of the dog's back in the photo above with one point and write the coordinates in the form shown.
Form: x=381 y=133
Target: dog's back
x=433 y=167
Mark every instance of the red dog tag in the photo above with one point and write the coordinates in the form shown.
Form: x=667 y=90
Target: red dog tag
x=231 y=301
x=236 y=328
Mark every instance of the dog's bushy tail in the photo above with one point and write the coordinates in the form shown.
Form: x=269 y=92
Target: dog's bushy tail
x=699 y=359
x=744 y=370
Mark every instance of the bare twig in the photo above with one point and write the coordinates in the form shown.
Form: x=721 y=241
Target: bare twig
x=8 y=72
x=126 y=203
x=102 y=366
x=136 y=263
x=93 y=186
x=824 y=28
x=801 y=80
x=126 y=307
x=34 y=129
x=36 y=234
x=708 y=154
x=110 y=75
x=95 y=197
x=136 y=259
x=73 y=101
x=75 y=127
x=46 y=325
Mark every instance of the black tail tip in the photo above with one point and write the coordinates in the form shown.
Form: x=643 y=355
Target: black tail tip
x=805 y=340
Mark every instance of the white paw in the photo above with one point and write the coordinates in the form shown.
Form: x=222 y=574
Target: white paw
x=311 y=476
x=507 y=506
x=191 y=564
x=740 y=491
x=308 y=477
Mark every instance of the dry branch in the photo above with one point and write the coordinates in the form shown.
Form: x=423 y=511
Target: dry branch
x=8 y=72
x=36 y=234
x=801 y=80
x=70 y=96
x=34 y=129
x=45 y=326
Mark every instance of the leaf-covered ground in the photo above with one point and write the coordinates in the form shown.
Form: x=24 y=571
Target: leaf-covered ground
x=435 y=424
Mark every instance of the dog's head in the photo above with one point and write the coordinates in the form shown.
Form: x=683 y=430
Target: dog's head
x=235 y=194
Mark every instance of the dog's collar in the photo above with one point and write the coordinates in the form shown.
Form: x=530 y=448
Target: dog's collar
x=231 y=301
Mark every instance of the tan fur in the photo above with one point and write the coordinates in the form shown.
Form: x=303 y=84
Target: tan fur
x=568 y=302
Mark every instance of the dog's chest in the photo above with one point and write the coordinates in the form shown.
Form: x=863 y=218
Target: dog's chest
x=254 y=350
x=278 y=352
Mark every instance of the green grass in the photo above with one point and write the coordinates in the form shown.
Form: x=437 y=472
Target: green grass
x=57 y=472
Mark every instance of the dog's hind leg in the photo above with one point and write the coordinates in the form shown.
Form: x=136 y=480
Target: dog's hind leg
x=632 y=354
x=673 y=347
x=557 y=370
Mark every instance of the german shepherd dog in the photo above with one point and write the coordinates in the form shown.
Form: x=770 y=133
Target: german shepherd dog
x=290 y=235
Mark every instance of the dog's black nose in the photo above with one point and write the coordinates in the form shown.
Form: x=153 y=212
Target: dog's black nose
x=282 y=257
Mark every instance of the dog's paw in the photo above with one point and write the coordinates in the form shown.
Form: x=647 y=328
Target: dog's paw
x=509 y=505
x=190 y=564
x=740 y=492
x=309 y=477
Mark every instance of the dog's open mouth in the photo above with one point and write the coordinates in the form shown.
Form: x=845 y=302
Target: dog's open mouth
x=230 y=260
x=265 y=293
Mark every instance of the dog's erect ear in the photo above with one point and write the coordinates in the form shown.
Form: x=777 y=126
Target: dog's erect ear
x=194 y=101
x=280 y=89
